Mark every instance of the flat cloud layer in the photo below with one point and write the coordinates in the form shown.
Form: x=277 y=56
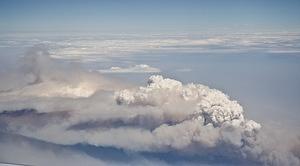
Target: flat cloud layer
x=92 y=47
x=142 y=68
x=62 y=104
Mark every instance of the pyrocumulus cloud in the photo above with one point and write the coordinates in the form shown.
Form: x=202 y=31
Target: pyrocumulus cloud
x=65 y=105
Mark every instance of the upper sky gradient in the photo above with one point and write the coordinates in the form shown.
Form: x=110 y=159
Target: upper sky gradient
x=144 y=16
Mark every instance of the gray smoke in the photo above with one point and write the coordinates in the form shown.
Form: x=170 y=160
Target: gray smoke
x=62 y=104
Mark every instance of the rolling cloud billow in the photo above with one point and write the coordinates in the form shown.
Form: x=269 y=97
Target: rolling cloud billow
x=60 y=104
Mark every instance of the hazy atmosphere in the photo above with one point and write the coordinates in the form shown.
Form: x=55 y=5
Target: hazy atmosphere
x=210 y=83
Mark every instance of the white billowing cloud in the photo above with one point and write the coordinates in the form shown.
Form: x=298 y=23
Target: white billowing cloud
x=211 y=105
x=193 y=110
x=141 y=68
x=163 y=116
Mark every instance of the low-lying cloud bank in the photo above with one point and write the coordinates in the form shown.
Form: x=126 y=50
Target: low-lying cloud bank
x=85 y=48
x=142 y=68
x=62 y=104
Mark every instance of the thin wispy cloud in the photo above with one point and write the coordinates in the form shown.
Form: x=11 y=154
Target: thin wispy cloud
x=142 y=68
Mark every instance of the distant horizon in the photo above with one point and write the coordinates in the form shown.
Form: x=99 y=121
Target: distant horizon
x=96 y=33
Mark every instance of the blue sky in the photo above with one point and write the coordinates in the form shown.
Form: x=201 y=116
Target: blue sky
x=133 y=16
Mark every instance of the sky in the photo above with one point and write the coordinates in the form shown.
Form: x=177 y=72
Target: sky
x=141 y=16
